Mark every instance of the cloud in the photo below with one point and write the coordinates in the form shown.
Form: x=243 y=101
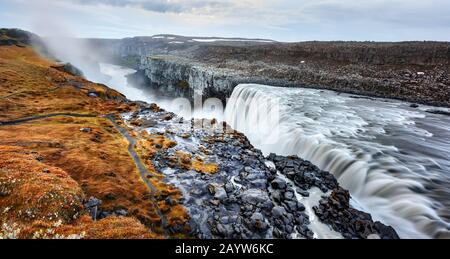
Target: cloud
x=162 y=6
x=284 y=20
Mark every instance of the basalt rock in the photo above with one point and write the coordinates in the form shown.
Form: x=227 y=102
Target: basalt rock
x=212 y=69
x=336 y=211
x=245 y=198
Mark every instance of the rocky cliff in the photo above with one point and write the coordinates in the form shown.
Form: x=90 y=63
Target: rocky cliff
x=411 y=71
x=79 y=160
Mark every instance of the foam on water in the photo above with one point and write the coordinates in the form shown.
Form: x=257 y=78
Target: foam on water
x=394 y=159
x=370 y=145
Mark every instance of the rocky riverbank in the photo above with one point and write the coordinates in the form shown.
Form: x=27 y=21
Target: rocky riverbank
x=79 y=160
x=232 y=191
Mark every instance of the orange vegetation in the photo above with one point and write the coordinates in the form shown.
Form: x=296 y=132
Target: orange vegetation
x=166 y=195
x=30 y=86
x=49 y=166
x=38 y=200
x=185 y=161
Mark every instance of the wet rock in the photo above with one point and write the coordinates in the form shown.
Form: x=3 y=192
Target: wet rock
x=336 y=211
x=440 y=112
x=148 y=123
x=302 y=192
x=291 y=205
x=213 y=202
x=229 y=187
x=246 y=196
x=254 y=196
x=271 y=157
x=278 y=211
x=248 y=169
x=276 y=195
x=258 y=222
x=170 y=202
x=167 y=116
x=300 y=207
x=220 y=193
x=386 y=232
x=185 y=135
x=68 y=68
x=289 y=195
x=278 y=183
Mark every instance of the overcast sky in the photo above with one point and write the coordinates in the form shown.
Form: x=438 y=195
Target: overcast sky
x=283 y=20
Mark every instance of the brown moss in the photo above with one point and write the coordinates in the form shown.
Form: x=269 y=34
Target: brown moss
x=31 y=190
x=60 y=159
x=25 y=77
x=206 y=168
x=42 y=201
x=86 y=228
x=185 y=161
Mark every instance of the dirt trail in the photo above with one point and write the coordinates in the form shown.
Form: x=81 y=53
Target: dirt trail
x=137 y=161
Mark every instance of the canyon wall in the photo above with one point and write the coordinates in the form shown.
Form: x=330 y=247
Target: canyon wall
x=417 y=72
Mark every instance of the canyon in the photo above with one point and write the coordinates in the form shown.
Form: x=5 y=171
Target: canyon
x=128 y=163
x=212 y=67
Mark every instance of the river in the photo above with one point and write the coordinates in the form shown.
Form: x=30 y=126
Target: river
x=394 y=159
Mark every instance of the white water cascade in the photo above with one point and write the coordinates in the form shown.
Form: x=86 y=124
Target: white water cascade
x=394 y=159
x=391 y=157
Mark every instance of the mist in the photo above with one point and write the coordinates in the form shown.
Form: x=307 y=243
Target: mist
x=62 y=41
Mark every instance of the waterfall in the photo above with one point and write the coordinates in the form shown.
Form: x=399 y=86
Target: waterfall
x=355 y=139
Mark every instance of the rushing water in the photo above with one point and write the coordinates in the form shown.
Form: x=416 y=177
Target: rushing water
x=118 y=81
x=394 y=159
x=181 y=107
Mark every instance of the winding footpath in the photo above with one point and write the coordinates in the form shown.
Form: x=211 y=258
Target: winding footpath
x=141 y=167
x=131 y=143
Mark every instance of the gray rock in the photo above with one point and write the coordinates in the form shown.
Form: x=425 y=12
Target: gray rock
x=121 y=212
x=93 y=202
x=289 y=195
x=258 y=221
x=93 y=94
x=254 y=196
x=220 y=193
x=229 y=187
x=259 y=184
x=85 y=130
x=278 y=211
x=300 y=207
x=279 y=183
x=291 y=205
x=276 y=195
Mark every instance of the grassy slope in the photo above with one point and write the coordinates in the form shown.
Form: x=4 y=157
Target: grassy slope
x=56 y=165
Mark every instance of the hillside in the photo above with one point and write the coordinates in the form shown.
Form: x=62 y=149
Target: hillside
x=79 y=160
x=60 y=155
